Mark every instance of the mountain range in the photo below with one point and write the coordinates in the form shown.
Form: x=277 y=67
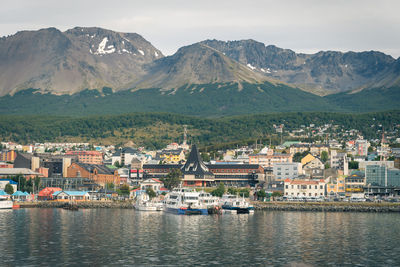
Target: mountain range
x=231 y=77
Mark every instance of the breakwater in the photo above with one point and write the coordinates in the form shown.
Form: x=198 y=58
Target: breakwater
x=328 y=206
x=79 y=204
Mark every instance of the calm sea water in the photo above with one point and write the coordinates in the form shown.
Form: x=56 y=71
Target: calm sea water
x=98 y=237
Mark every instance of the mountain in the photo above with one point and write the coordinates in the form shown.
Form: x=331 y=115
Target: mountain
x=68 y=62
x=196 y=64
x=53 y=72
x=323 y=73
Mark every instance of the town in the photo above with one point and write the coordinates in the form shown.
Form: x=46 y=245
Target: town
x=340 y=166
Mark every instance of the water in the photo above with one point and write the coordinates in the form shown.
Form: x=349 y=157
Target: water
x=98 y=237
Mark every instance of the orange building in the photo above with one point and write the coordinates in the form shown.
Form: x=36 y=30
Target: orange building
x=99 y=174
x=8 y=155
x=89 y=157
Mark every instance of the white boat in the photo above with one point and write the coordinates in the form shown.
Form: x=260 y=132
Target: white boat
x=144 y=203
x=5 y=203
x=235 y=204
x=210 y=202
x=184 y=201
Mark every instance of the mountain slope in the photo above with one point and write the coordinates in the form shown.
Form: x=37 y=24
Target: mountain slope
x=196 y=64
x=324 y=72
x=67 y=62
x=216 y=99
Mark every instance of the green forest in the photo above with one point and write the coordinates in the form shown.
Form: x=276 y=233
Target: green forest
x=155 y=130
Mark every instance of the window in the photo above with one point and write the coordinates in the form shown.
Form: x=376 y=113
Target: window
x=316 y=187
x=321 y=187
x=287 y=187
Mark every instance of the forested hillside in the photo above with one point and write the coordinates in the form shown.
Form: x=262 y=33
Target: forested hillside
x=155 y=130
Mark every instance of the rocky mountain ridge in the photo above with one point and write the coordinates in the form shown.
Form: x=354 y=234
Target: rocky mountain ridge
x=93 y=58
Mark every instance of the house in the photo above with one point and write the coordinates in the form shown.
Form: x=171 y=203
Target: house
x=47 y=193
x=99 y=174
x=307 y=159
x=314 y=168
x=304 y=188
x=152 y=183
x=71 y=195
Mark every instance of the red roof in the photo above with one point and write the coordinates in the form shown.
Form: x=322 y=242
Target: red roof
x=48 y=191
x=158 y=181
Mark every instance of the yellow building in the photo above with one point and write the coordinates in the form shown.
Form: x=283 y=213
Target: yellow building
x=337 y=187
x=171 y=156
x=307 y=159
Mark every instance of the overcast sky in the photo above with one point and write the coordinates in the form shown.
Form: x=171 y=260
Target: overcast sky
x=303 y=26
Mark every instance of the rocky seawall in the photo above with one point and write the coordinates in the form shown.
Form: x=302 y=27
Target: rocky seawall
x=82 y=205
x=328 y=206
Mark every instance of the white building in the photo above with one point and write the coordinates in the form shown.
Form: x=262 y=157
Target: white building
x=285 y=170
x=304 y=188
x=339 y=161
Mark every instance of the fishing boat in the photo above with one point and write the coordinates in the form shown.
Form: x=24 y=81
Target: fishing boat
x=235 y=204
x=5 y=203
x=144 y=203
x=184 y=201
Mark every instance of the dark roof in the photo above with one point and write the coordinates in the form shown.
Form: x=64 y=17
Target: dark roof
x=126 y=150
x=162 y=166
x=233 y=166
x=102 y=169
x=195 y=165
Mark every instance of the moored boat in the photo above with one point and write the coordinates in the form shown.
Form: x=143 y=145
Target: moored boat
x=235 y=204
x=5 y=203
x=144 y=203
x=184 y=201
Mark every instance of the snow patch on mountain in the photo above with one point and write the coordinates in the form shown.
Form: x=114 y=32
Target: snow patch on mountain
x=251 y=67
x=102 y=50
x=141 y=52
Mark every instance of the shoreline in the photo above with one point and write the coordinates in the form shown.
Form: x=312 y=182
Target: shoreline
x=258 y=205
x=328 y=206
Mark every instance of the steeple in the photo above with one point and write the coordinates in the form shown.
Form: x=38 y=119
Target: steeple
x=195 y=165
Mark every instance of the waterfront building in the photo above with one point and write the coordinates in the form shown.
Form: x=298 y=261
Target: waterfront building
x=99 y=174
x=304 y=188
x=267 y=158
x=47 y=193
x=382 y=176
x=197 y=173
x=355 y=183
x=71 y=195
x=89 y=157
x=285 y=170
x=336 y=186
